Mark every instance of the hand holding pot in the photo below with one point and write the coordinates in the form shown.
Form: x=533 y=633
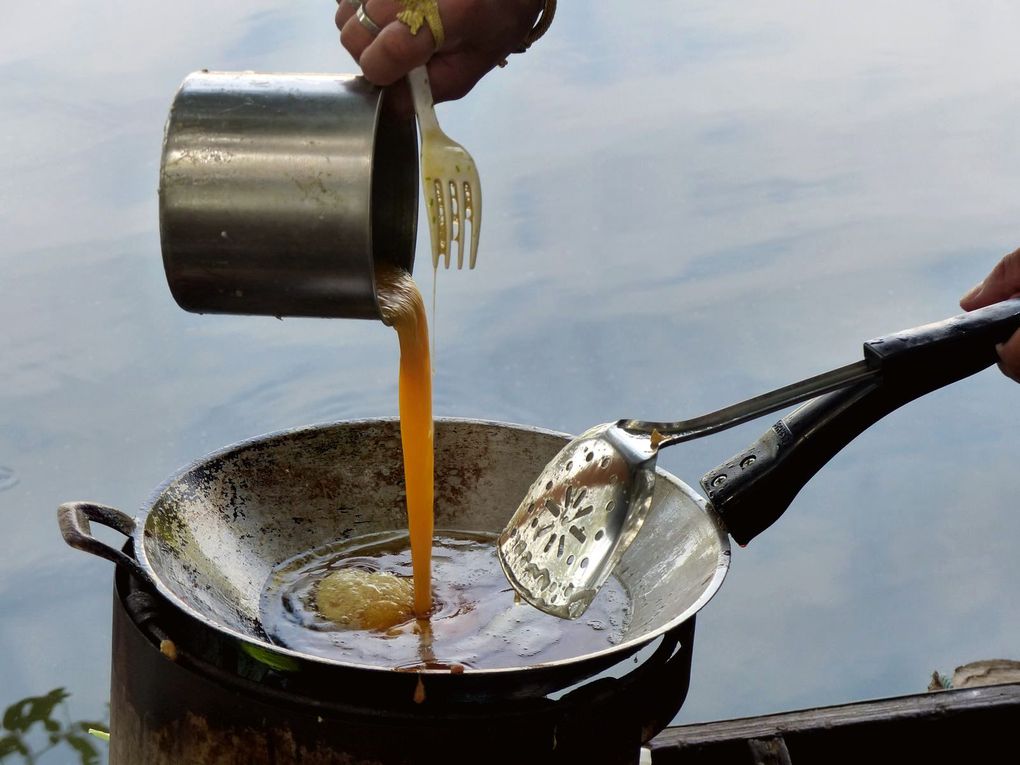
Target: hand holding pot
x=477 y=35
x=1002 y=283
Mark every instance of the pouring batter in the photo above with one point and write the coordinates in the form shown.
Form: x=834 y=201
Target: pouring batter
x=402 y=308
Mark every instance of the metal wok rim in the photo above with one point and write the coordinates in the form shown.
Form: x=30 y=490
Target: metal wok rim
x=603 y=656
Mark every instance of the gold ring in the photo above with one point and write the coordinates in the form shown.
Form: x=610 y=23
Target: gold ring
x=541 y=27
x=365 y=21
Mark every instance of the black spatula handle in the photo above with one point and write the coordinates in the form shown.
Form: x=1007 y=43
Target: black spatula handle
x=753 y=488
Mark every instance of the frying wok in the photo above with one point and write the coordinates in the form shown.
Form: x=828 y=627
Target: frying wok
x=209 y=536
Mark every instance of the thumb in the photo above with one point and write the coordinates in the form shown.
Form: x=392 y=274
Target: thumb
x=1002 y=283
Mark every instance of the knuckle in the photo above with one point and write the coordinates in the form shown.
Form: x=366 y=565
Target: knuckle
x=398 y=49
x=392 y=55
x=1010 y=265
x=349 y=39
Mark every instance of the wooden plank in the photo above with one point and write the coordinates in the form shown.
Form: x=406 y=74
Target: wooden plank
x=943 y=726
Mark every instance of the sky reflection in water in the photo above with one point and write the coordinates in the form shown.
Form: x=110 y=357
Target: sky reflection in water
x=684 y=207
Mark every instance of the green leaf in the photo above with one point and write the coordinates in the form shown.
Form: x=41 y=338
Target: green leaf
x=14 y=718
x=84 y=747
x=271 y=659
x=10 y=744
x=21 y=715
x=103 y=735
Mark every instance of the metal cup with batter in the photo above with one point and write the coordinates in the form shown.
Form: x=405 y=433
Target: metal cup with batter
x=279 y=193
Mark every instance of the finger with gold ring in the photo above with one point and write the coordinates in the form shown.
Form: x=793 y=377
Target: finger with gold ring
x=365 y=21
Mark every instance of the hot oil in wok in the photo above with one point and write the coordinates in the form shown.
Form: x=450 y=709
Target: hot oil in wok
x=476 y=621
x=370 y=600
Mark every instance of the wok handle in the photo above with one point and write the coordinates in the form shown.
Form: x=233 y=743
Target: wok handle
x=753 y=488
x=74 y=519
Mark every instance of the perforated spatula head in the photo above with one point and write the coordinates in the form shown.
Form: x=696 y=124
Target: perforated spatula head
x=578 y=518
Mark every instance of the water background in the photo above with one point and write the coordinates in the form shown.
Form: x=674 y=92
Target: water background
x=686 y=204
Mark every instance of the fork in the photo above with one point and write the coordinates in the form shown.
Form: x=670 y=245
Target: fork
x=453 y=191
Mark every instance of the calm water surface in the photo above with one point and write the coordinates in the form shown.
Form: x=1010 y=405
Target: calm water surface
x=686 y=205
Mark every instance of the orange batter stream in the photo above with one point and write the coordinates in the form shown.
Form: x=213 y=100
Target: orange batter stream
x=403 y=308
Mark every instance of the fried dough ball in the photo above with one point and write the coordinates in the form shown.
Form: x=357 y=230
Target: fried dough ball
x=367 y=600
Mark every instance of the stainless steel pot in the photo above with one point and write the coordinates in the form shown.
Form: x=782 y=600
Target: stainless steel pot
x=210 y=535
x=278 y=194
